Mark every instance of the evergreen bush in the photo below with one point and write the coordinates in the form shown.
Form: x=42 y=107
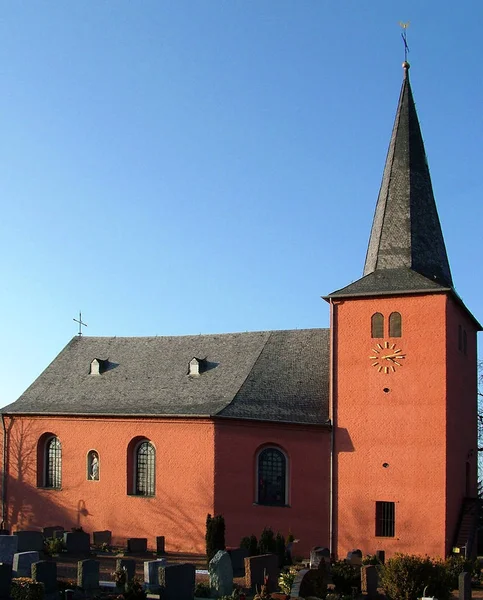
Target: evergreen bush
x=405 y=577
x=266 y=543
x=280 y=550
x=215 y=535
x=251 y=544
x=345 y=577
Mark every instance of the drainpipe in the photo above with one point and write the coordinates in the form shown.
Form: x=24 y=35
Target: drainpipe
x=332 y=422
x=4 y=472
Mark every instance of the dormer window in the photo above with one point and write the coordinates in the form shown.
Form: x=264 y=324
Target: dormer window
x=98 y=366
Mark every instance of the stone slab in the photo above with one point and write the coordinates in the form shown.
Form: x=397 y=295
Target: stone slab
x=88 y=575
x=137 y=545
x=77 y=542
x=5 y=580
x=160 y=544
x=8 y=547
x=238 y=556
x=22 y=563
x=177 y=582
x=102 y=537
x=221 y=574
x=257 y=566
x=30 y=541
x=151 y=573
x=45 y=571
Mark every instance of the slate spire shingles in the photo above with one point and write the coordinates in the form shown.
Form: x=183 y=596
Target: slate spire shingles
x=406 y=231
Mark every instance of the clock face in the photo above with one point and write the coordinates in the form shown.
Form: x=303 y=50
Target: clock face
x=386 y=357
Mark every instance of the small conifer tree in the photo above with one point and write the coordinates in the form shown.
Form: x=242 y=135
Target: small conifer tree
x=215 y=535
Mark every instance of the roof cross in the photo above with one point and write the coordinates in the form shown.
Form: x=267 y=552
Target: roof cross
x=404 y=37
x=81 y=323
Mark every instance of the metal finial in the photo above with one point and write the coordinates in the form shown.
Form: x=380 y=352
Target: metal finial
x=81 y=323
x=406 y=47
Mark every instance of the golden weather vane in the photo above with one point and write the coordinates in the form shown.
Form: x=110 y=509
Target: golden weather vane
x=404 y=37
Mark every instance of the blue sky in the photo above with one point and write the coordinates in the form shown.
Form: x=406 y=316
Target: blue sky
x=178 y=167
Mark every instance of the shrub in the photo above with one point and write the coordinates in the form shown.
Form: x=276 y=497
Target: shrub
x=53 y=546
x=266 y=543
x=404 y=577
x=215 y=535
x=280 y=550
x=24 y=588
x=370 y=559
x=251 y=544
x=456 y=565
x=135 y=590
x=202 y=590
x=345 y=577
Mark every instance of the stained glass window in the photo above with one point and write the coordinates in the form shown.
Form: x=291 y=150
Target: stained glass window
x=272 y=467
x=53 y=463
x=145 y=469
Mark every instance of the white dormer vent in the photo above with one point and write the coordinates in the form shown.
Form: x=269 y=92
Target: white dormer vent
x=98 y=366
x=194 y=366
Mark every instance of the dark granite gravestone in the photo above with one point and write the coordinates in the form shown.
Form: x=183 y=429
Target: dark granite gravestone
x=257 y=566
x=127 y=564
x=151 y=571
x=5 y=580
x=464 y=586
x=45 y=571
x=22 y=563
x=77 y=542
x=137 y=545
x=30 y=541
x=102 y=537
x=369 y=581
x=177 y=582
x=8 y=547
x=88 y=575
x=160 y=544
x=238 y=556
x=49 y=532
x=221 y=574
x=310 y=582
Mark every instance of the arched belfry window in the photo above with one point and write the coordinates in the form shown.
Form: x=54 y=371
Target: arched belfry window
x=53 y=463
x=377 y=325
x=272 y=477
x=395 y=325
x=93 y=465
x=145 y=469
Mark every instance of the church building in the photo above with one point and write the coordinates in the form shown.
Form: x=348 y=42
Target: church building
x=363 y=435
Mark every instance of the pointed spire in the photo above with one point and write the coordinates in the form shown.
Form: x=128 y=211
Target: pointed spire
x=406 y=231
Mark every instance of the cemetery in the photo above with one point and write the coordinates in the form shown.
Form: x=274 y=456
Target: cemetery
x=54 y=564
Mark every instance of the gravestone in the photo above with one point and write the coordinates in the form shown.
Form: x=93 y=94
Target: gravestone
x=77 y=542
x=257 y=566
x=22 y=563
x=49 y=532
x=369 y=581
x=5 y=580
x=59 y=534
x=177 y=582
x=310 y=582
x=137 y=545
x=319 y=554
x=88 y=575
x=30 y=541
x=464 y=586
x=151 y=572
x=45 y=571
x=354 y=557
x=160 y=544
x=8 y=547
x=238 y=556
x=102 y=537
x=221 y=574
x=127 y=564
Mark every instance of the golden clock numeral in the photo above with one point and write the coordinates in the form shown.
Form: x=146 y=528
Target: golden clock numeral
x=379 y=346
x=396 y=363
x=397 y=351
x=373 y=357
x=393 y=369
x=375 y=350
x=386 y=344
x=379 y=370
x=393 y=346
x=386 y=369
x=375 y=364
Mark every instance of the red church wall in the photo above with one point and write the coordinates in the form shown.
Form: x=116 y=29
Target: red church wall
x=461 y=435
x=184 y=479
x=307 y=448
x=396 y=419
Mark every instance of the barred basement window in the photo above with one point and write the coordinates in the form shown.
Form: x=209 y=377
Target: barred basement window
x=272 y=477
x=385 y=519
x=145 y=469
x=377 y=325
x=53 y=463
x=395 y=325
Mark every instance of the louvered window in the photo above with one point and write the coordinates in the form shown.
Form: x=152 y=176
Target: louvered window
x=145 y=469
x=385 y=519
x=395 y=325
x=377 y=325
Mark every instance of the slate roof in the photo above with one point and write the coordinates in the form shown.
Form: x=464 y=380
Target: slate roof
x=277 y=376
x=406 y=231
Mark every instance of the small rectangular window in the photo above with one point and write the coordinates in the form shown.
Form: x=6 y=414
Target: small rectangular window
x=385 y=519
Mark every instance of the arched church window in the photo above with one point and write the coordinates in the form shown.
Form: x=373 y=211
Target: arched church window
x=395 y=324
x=272 y=477
x=93 y=465
x=377 y=325
x=145 y=469
x=53 y=463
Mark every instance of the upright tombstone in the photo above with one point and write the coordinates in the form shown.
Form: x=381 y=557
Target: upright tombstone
x=22 y=563
x=221 y=574
x=354 y=557
x=8 y=547
x=310 y=582
x=151 y=573
x=464 y=586
x=49 y=532
x=5 y=580
x=137 y=545
x=257 y=567
x=77 y=542
x=160 y=543
x=88 y=575
x=128 y=565
x=30 y=541
x=45 y=571
x=370 y=581
x=238 y=556
x=102 y=537
x=319 y=554
x=177 y=582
